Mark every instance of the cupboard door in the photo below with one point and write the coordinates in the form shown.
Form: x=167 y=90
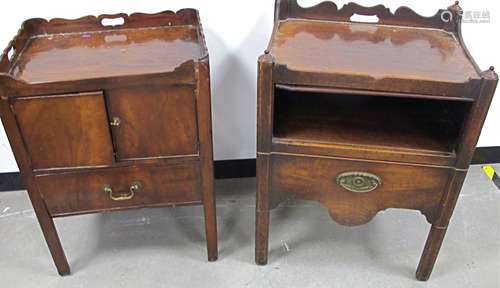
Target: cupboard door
x=153 y=121
x=68 y=130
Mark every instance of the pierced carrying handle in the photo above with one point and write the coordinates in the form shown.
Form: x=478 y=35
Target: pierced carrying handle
x=111 y=20
x=379 y=10
x=134 y=187
x=374 y=14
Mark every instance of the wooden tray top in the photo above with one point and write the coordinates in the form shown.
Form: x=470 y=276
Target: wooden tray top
x=323 y=45
x=92 y=50
x=377 y=51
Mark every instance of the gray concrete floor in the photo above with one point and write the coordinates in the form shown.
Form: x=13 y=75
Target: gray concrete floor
x=166 y=247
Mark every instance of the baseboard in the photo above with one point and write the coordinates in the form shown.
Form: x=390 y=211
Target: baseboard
x=246 y=168
x=11 y=181
x=222 y=169
x=234 y=168
x=486 y=155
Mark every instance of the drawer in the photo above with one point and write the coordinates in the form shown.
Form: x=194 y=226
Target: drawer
x=120 y=188
x=354 y=191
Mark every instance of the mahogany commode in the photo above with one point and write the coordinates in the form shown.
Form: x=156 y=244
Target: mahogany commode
x=103 y=118
x=363 y=117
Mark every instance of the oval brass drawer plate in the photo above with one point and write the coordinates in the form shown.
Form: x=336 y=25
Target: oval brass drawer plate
x=359 y=182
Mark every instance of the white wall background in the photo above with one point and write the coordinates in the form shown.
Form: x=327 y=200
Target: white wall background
x=237 y=32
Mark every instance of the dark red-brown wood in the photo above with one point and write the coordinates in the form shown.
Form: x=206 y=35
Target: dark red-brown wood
x=103 y=118
x=399 y=104
x=163 y=115
x=77 y=120
x=81 y=192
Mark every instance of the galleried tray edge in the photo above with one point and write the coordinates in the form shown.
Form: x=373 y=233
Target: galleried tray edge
x=10 y=85
x=447 y=20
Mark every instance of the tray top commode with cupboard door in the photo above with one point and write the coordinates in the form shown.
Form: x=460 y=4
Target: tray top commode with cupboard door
x=108 y=117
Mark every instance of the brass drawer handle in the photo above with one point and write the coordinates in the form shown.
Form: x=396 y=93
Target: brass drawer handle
x=115 y=121
x=359 y=182
x=136 y=186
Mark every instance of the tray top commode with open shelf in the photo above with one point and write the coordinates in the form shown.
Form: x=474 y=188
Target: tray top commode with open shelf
x=366 y=116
